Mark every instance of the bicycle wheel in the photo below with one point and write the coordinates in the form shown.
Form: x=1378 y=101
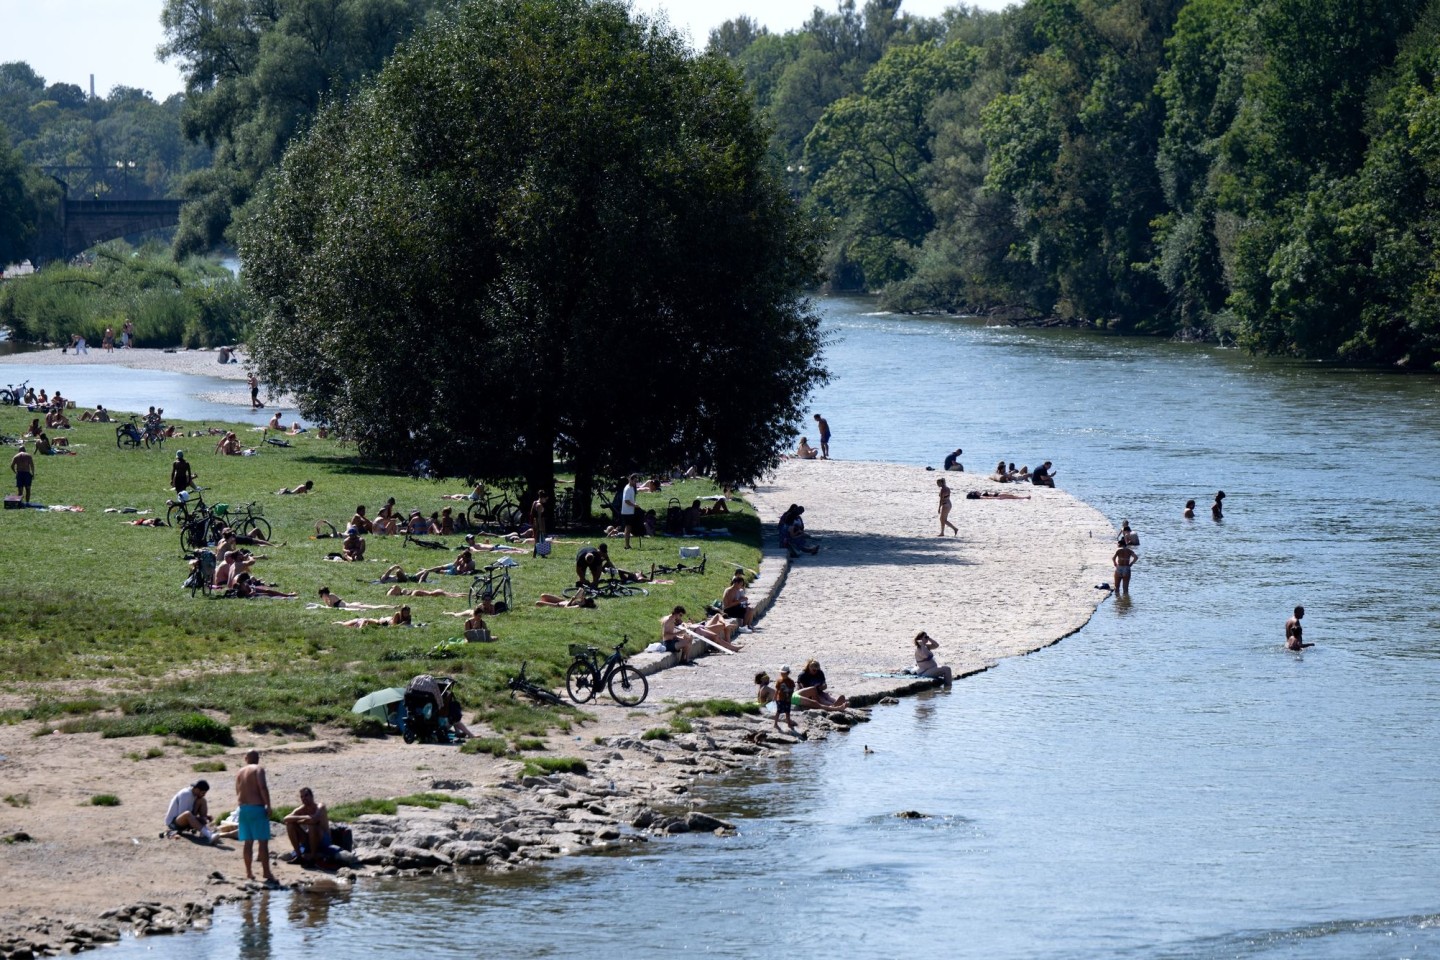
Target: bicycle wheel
x=477 y=515
x=569 y=592
x=581 y=681
x=479 y=591
x=506 y=592
x=255 y=527
x=508 y=516
x=630 y=590
x=8 y=399
x=175 y=515
x=628 y=686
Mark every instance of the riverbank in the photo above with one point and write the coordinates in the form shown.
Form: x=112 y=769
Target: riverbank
x=1019 y=577
x=202 y=363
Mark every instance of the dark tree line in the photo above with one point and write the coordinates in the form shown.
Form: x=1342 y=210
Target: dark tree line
x=1253 y=169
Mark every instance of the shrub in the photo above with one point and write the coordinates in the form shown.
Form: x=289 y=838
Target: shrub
x=541 y=766
x=104 y=800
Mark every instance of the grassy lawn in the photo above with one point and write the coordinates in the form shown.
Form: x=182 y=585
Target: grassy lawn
x=100 y=633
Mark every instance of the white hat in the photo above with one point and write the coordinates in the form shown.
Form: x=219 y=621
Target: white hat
x=784 y=668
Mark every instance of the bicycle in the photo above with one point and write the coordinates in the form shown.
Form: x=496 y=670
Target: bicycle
x=184 y=509
x=501 y=512
x=608 y=589
x=13 y=395
x=492 y=585
x=587 y=676
x=680 y=567
x=247 y=520
x=521 y=684
x=129 y=434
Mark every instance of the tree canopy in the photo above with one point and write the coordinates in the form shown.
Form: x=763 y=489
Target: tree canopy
x=1249 y=169
x=546 y=229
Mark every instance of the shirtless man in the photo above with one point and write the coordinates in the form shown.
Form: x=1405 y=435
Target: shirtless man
x=1217 y=509
x=181 y=476
x=352 y=548
x=824 y=426
x=252 y=792
x=1123 y=559
x=308 y=829
x=23 y=466
x=255 y=403
x=1294 y=635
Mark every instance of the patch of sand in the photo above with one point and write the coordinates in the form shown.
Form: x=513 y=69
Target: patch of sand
x=198 y=362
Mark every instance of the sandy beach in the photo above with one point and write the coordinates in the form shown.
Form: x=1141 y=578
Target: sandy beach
x=199 y=362
x=1020 y=576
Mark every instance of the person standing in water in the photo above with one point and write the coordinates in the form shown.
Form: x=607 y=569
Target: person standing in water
x=1124 y=559
x=1189 y=509
x=1217 y=511
x=1294 y=634
x=945 y=508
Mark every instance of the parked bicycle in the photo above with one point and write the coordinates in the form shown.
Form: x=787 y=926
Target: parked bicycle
x=492 y=585
x=247 y=520
x=13 y=395
x=522 y=684
x=130 y=434
x=187 y=505
x=587 y=676
x=498 y=511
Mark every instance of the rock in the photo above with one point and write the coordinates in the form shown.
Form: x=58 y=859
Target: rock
x=609 y=833
x=695 y=820
x=840 y=719
x=450 y=784
x=409 y=857
x=744 y=749
x=484 y=834
x=469 y=852
x=643 y=819
x=677 y=826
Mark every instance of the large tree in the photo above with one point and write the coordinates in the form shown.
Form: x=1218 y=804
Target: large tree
x=547 y=228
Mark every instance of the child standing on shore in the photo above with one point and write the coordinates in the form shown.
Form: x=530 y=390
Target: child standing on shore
x=784 y=690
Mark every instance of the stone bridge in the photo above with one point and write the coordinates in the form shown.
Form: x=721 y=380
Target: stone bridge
x=84 y=223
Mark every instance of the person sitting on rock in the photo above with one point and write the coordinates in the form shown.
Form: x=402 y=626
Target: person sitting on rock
x=307 y=827
x=812 y=690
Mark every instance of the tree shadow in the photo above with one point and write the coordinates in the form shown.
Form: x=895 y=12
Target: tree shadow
x=878 y=549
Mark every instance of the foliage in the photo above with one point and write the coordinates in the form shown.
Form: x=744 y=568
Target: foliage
x=194 y=304
x=255 y=73
x=715 y=708
x=555 y=208
x=1257 y=168
x=342 y=812
x=105 y=800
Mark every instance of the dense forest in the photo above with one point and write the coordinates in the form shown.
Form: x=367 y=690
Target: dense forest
x=1258 y=170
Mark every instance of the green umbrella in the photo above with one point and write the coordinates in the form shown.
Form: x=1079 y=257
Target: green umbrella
x=375 y=703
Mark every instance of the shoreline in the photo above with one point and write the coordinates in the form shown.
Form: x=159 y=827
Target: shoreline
x=1021 y=577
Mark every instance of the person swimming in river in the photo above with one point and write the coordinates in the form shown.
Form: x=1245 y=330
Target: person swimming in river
x=1294 y=633
x=1217 y=511
x=1189 y=510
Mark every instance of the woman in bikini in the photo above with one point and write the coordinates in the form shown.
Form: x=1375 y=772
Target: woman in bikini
x=401 y=618
x=945 y=508
x=925 y=664
x=1123 y=559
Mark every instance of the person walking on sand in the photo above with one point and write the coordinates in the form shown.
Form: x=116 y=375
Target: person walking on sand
x=252 y=792
x=1294 y=634
x=1124 y=559
x=1217 y=510
x=255 y=403
x=824 y=426
x=945 y=508
x=23 y=466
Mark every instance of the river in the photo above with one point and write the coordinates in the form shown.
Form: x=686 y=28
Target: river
x=1168 y=783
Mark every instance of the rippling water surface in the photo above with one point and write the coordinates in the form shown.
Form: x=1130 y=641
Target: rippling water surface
x=1169 y=783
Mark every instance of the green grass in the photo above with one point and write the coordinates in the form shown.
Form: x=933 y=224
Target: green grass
x=714 y=708
x=150 y=754
x=17 y=799
x=107 y=603
x=542 y=766
x=656 y=733
x=349 y=811
x=529 y=743
x=208 y=766
x=104 y=800
x=495 y=746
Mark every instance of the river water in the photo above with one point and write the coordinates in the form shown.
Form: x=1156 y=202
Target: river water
x=1168 y=783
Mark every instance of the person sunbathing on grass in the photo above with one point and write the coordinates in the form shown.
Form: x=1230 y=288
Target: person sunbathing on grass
x=399 y=591
x=462 y=566
x=401 y=618
x=305 y=487
x=581 y=599
x=247 y=587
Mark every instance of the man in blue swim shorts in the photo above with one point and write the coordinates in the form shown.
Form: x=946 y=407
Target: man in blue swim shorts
x=253 y=793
